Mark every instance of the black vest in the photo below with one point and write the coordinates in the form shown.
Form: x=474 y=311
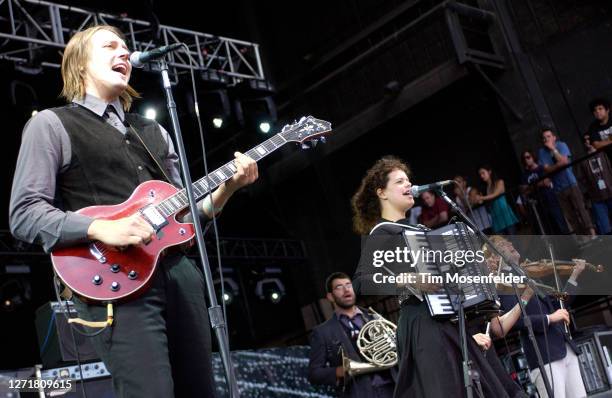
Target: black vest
x=106 y=166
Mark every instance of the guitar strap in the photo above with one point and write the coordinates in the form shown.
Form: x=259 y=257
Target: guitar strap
x=150 y=153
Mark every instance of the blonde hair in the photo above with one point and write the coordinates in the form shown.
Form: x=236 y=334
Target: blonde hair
x=74 y=64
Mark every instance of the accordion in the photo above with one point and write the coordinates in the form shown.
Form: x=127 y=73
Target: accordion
x=480 y=299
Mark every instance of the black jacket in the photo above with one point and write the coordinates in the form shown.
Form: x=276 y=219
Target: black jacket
x=325 y=357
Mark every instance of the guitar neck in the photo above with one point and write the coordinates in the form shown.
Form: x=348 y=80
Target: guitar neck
x=207 y=184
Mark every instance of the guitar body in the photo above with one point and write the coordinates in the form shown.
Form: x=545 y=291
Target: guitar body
x=90 y=269
x=101 y=273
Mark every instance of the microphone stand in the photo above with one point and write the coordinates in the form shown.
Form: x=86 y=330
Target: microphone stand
x=517 y=269
x=552 y=260
x=215 y=312
x=470 y=376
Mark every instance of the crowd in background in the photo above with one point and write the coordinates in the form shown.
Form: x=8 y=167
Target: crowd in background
x=556 y=195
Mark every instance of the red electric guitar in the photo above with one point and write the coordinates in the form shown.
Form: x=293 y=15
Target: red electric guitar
x=103 y=273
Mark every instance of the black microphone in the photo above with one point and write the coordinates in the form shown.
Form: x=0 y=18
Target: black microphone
x=138 y=59
x=416 y=190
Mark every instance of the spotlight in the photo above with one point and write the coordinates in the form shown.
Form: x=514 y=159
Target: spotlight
x=271 y=289
x=265 y=127
x=228 y=298
x=14 y=293
x=217 y=122
x=230 y=290
x=275 y=297
x=151 y=113
x=258 y=114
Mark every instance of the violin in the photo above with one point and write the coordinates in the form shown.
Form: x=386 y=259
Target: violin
x=505 y=288
x=544 y=267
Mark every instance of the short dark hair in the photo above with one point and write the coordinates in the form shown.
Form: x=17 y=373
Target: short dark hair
x=595 y=102
x=547 y=128
x=330 y=280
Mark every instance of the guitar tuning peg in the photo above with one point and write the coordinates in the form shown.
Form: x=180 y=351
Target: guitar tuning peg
x=305 y=146
x=322 y=139
x=314 y=142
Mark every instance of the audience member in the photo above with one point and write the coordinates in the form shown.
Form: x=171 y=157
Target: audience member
x=554 y=156
x=596 y=177
x=435 y=210
x=502 y=217
x=542 y=191
x=600 y=130
x=466 y=198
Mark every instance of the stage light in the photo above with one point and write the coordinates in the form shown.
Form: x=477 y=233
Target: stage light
x=230 y=290
x=228 y=298
x=275 y=297
x=217 y=122
x=258 y=114
x=151 y=113
x=14 y=293
x=265 y=127
x=271 y=289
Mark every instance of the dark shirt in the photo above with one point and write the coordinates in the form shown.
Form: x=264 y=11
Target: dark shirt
x=600 y=132
x=551 y=337
x=352 y=327
x=542 y=193
x=531 y=176
x=596 y=176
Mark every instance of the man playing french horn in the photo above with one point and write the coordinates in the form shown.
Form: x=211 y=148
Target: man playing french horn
x=357 y=366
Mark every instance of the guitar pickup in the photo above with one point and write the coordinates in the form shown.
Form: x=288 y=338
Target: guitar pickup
x=97 y=253
x=153 y=217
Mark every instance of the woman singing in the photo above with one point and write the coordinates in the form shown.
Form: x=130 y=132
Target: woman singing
x=429 y=349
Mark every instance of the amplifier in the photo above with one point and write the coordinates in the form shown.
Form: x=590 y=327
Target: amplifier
x=92 y=370
x=97 y=380
x=55 y=337
x=595 y=362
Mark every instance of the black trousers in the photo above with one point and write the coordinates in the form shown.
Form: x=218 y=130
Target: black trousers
x=160 y=343
x=430 y=357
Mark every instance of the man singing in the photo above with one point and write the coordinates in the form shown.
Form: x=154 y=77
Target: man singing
x=93 y=152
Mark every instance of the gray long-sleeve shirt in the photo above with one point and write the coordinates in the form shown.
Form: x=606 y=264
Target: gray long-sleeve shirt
x=45 y=153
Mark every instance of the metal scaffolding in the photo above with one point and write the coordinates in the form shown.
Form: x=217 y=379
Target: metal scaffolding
x=12 y=250
x=33 y=29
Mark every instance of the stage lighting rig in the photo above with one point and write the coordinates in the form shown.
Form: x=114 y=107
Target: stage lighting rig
x=271 y=289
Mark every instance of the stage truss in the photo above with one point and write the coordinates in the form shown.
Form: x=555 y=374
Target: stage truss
x=34 y=33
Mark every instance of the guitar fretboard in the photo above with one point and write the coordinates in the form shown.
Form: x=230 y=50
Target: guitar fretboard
x=207 y=184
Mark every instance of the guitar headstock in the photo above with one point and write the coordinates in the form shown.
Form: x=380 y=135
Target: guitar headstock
x=306 y=130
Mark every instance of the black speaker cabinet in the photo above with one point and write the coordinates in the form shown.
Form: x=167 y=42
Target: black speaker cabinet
x=55 y=337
